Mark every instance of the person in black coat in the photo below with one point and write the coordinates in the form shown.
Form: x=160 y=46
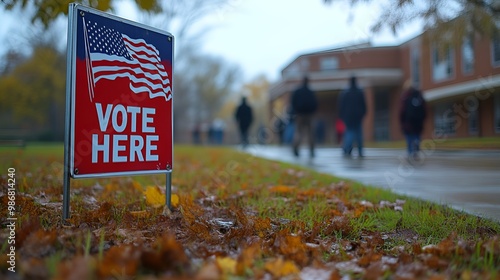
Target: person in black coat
x=352 y=109
x=244 y=118
x=304 y=104
x=412 y=114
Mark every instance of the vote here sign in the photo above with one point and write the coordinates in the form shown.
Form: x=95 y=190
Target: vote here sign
x=121 y=117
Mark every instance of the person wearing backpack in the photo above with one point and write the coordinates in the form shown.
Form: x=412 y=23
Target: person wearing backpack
x=412 y=114
x=303 y=105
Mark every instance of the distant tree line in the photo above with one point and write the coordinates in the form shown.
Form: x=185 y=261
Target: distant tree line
x=33 y=78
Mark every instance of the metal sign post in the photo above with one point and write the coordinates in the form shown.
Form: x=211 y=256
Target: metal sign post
x=119 y=99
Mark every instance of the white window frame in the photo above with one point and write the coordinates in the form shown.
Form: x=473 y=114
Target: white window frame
x=415 y=66
x=444 y=65
x=468 y=41
x=473 y=122
x=443 y=123
x=329 y=63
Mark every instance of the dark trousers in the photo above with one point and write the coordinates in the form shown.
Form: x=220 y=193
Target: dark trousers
x=353 y=135
x=304 y=128
x=244 y=136
x=413 y=143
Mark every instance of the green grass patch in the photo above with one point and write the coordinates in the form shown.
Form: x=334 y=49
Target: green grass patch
x=474 y=143
x=229 y=199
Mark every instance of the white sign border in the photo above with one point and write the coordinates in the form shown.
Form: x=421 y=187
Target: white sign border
x=74 y=10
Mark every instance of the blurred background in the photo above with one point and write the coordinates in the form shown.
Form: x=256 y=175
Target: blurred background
x=224 y=49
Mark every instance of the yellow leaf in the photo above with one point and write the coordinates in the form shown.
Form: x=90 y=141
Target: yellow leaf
x=111 y=187
x=174 y=200
x=137 y=186
x=280 y=268
x=154 y=196
x=226 y=265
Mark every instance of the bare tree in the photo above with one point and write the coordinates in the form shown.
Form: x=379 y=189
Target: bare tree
x=201 y=87
x=455 y=18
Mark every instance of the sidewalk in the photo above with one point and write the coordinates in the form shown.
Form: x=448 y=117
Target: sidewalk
x=465 y=180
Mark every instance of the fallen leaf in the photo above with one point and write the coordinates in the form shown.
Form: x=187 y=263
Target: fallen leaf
x=167 y=253
x=281 y=189
x=137 y=186
x=154 y=196
x=119 y=261
x=226 y=265
x=247 y=258
x=174 y=200
x=208 y=272
x=140 y=214
x=77 y=268
x=281 y=268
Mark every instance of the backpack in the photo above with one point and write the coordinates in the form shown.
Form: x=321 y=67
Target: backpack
x=415 y=110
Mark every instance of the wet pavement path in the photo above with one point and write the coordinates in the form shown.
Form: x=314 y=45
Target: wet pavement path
x=465 y=180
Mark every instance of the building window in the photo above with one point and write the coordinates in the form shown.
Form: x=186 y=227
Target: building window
x=415 y=66
x=468 y=54
x=297 y=69
x=473 y=122
x=329 y=63
x=444 y=119
x=495 y=50
x=497 y=113
x=442 y=63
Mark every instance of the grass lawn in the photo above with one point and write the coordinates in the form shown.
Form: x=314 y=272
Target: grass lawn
x=450 y=143
x=234 y=217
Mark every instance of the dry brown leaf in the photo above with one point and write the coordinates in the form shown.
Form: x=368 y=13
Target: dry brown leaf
x=140 y=214
x=166 y=254
x=247 y=258
x=281 y=189
x=281 y=268
x=209 y=271
x=119 y=261
x=77 y=268
x=137 y=186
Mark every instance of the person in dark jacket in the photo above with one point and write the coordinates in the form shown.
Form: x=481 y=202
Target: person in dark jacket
x=352 y=109
x=412 y=114
x=244 y=118
x=304 y=104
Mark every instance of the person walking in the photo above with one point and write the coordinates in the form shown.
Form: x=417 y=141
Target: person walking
x=244 y=118
x=304 y=104
x=352 y=109
x=340 y=129
x=412 y=114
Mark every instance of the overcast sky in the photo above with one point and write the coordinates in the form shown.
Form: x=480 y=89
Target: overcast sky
x=262 y=36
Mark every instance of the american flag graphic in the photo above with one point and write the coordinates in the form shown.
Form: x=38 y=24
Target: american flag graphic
x=111 y=54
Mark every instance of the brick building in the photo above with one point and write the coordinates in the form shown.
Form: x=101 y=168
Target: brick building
x=461 y=85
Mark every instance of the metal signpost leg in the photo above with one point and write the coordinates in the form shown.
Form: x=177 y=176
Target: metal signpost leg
x=67 y=117
x=169 y=190
x=66 y=193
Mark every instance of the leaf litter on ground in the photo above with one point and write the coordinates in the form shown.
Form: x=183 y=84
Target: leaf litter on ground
x=235 y=216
